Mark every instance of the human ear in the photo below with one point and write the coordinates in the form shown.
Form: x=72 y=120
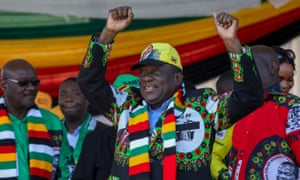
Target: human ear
x=178 y=78
x=3 y=84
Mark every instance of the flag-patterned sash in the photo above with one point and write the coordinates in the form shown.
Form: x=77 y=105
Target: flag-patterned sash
x=40 y=147
x=138 y=129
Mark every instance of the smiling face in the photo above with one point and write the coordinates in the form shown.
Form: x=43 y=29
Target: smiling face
x=19 y=95
x=158 y=83
x=286 y=75
x=72 y=102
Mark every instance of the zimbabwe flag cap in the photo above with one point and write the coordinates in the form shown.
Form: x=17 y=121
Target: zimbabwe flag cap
x=159 y=54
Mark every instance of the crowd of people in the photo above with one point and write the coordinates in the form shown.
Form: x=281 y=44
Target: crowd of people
x=261 y=140
x=155 y=125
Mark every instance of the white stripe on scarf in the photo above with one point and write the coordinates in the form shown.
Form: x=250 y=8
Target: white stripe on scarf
x=8 y=173
x=7 y=135
x=139 y=142
x=45 y=149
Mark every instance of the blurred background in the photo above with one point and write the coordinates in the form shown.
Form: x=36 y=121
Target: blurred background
x=53 y=34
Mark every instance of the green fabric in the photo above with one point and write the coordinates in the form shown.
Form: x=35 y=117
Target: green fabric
x=14 y=19
x=54 y=126
x=68 y=157
x=52 y=122
x=123 y=81
x=20 y=129
x=33 y=142
x=30 y=25
x=8 y=165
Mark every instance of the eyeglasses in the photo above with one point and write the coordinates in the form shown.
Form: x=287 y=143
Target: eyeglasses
x=34 y=82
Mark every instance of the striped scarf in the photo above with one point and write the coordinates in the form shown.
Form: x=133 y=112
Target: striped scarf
x=138 y=129
x=40 y=149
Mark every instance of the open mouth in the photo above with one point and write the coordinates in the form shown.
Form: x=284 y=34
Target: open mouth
x=148 y=88
x=69 y=108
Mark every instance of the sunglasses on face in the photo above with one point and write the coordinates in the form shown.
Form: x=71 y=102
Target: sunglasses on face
x=288 y=54
x=24 y=83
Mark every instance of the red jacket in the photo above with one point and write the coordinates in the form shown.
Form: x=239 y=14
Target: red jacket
x=267 y=141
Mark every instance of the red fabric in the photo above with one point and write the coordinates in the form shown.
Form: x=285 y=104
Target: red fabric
x=294 y=140
x=139 y=127
x=40 y=173
x=169 y=167
x=190 y=53
x=7 y=149
x=39 y=134
x=140 y=168
x=267 y=121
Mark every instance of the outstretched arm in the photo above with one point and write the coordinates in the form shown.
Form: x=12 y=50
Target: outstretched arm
x=118 y=19
x=247 y=87
x=91 y=78
x=227 y=27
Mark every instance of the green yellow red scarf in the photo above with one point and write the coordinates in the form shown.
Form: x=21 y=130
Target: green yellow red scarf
x=138 y=129
x=40 y=149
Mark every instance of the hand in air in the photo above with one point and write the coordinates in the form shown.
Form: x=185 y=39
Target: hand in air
x=119 y=18
x=226 y=25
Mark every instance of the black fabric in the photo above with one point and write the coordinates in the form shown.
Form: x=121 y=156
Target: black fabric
x=209 y=68
x=244 y=98
x=96 y=156
x=147 y=62
x=204 y=175
x=92 y=79
x=120 y=170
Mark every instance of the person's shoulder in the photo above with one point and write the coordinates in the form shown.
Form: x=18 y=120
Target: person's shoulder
x=49 y=114
x=101 y=134
x=287 y=100
x=203 y=92
x=134 y=95
x=293 y=96
x=105 y=130
x=293 y=99
x=51 y=120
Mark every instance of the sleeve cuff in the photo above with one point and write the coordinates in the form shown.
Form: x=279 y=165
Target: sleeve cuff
x=96 y=50
x=236 y=62
x=106 y=47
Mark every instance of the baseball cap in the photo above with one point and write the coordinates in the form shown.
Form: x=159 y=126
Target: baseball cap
x=124 y=81
x=159 y=54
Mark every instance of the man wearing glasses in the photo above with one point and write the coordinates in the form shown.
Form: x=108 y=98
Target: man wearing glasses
x=30 y=137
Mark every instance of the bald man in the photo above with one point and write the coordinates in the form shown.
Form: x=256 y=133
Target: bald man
x=30 y=137
x=270 y=135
